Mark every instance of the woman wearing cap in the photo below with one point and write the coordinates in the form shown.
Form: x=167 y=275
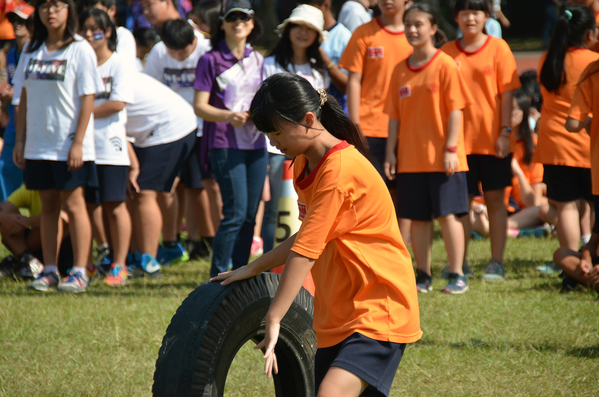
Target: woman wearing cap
x=227 y=77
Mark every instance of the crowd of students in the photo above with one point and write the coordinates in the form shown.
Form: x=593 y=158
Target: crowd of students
x=121 y=137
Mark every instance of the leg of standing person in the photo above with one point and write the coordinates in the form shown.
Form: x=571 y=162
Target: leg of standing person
x=271 y=207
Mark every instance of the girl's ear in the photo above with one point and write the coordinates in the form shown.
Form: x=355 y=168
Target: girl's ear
x=108 y=33
x=434 y=29
x=309 y=119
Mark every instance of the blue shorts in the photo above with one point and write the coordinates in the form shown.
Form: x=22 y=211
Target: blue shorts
x=373 y=361
x=48 y=174
x=112 y=181
x=566 y=184
x=377 y=147
x=192 y=173
x=159 y=165
x=422 y=196
x=492 y=172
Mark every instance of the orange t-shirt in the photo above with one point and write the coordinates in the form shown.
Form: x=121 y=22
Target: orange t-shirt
x=374 y=52
x=533 y=172
x=363 y=272
x=586 y=99
x=421 y=99
x=488 y=72
x=556 y=145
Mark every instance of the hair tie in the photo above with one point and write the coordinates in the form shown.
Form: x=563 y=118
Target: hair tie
x=323 y=96
x=568 y=15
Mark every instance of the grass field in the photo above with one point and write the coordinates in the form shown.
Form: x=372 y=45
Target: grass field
x=516 y=338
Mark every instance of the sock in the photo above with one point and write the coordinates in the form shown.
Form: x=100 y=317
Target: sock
x=169 y=244
x=102 y=247
x=50 y=269
x=585 y=239
x=82 y=271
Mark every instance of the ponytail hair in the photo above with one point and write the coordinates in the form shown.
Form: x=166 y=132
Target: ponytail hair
x=526 y=134
x=440 y=37
x=288 y=97
x=570 y=30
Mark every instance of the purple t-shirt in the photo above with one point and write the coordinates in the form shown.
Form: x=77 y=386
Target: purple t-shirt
x=232 y=84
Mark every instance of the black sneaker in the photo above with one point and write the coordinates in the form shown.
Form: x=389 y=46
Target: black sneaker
x=9 y=267
x=569 y=284
x=29 y=266
x=424 y=282
x=135 y=271
x=200 y=251
x=465 y=269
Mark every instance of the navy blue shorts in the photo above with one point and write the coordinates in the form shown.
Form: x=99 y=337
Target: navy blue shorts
x=373 y=361
x=492 y=172
x=377 y=147
x=192 y=173
x=49 y=174
x=422 y=196
x=112 y=181
x=159 y=165
x=567 y=183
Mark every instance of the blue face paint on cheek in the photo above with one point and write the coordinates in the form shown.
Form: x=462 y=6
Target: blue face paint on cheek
x=98 y=36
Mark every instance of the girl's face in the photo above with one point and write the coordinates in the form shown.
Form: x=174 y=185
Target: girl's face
x=292 y=139
x=94 y=34
x=517 y=114
x=471 y=22
x=54 y=14
x=302 y=37
x=238 y=26
x=20 y=28
x=419 y=30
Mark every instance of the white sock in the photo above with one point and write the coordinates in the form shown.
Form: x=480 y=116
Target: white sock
x=585 y=239
x=82 y=271
x=50 y=269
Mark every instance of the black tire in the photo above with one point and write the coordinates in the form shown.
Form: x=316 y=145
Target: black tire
x=214 y=322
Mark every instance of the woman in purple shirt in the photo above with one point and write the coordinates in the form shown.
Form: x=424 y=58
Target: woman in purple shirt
x=227 y=78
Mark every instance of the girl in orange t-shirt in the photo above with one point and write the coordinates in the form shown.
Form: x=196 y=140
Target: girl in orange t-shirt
x=365 y=301
x=566 y=156
x=426 y=99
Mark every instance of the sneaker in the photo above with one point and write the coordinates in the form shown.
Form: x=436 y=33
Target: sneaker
x=457 y=284
x=101 y=255
x=494 y=271
x=170 y=256
x=465 y=269
x=73 y=283
x=117 y=276
x=135 y=271
x=424 y=282
x=30 y=266
x=200 y=250
x=548 y=268
x=9 y=267
x=257 y=246
x=569 y=284
x=45 y=281
x=105 y=265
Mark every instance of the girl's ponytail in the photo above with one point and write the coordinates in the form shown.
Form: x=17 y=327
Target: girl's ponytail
x=574 y=23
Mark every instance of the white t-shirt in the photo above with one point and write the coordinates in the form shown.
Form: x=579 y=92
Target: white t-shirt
x=125 y=46
x=317 y=79
x=55 y=82
x=110 y=134
x=158 y=115
x=353 y=14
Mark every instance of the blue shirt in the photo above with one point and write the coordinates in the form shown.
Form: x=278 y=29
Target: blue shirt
x=334 y=46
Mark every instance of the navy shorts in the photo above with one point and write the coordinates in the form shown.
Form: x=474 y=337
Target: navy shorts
x=192 y=173
x=422 y=196
x=492 y=172
x=112 y=181
x=377 y=147
x=49 y=174
x=567 y=183
x=373 y=361
x=159 y=165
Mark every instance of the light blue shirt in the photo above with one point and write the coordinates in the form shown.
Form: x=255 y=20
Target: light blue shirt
x=334 y=46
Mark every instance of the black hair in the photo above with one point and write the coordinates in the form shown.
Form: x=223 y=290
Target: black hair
x=319 y=3
x=145 y=36
x=526 y=134
x=288 y=97
x=208 y=11
x=85 y=4
x=474 y=5
x=218 y=34
x=283 y=51
x=439 y=38
x=104 y=23
x=39 y=33
x=177 y=34
x=570 y=30
x=530 y=84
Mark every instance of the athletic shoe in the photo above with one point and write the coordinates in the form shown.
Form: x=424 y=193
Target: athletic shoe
x=135 y=271
x=457 y=284
x=465 y=269
x=548 y=268
x=257 y=246
x=73 y=283
x=105 y=265
x=45 y=281
x=101 y=255
x=200 y=250
x=170 y=256
x=30 y=266
x=148 y=266
x=424 y=282
x=494 y=271
x=117 y=276
x=569 y=284
x=9 y=267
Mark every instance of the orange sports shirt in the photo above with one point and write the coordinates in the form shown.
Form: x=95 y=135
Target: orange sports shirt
x=363 y=272
x=556 y=145
x=533 y=171
x=488 y=72
x=421 y=99
x=586 y=99
x=373 y=51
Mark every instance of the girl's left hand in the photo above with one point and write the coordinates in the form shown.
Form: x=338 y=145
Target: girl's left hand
x=75 y=157
x=502 y=146
x=450 y=163
x=269 y=342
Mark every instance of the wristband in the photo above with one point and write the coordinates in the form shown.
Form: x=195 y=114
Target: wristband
x=508 y=129
x=452 y=149
x=330 y=65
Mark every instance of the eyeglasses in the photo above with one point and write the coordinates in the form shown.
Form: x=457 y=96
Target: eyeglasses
x=241 y=16
x=56 y=7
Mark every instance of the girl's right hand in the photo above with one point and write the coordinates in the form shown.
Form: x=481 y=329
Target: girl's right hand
x=450 y=163
x=390 y=166
x=238 y=119
x=18 y=155
x=268 y=343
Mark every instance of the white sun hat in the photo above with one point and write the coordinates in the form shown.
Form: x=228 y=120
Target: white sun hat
x=309 y=16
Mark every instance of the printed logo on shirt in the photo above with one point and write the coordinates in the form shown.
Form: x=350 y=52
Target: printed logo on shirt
x=179 y=78
x=433 y=88
x=302 y=210
x=488 y=70
x=46 y=70
x=375 y=52
x=405 y=92
x=117 y=144
x=107 y=89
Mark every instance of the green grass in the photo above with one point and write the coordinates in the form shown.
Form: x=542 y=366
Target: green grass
x=517 y=338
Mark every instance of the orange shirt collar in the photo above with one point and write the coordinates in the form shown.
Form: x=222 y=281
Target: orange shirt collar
x=307 y=181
